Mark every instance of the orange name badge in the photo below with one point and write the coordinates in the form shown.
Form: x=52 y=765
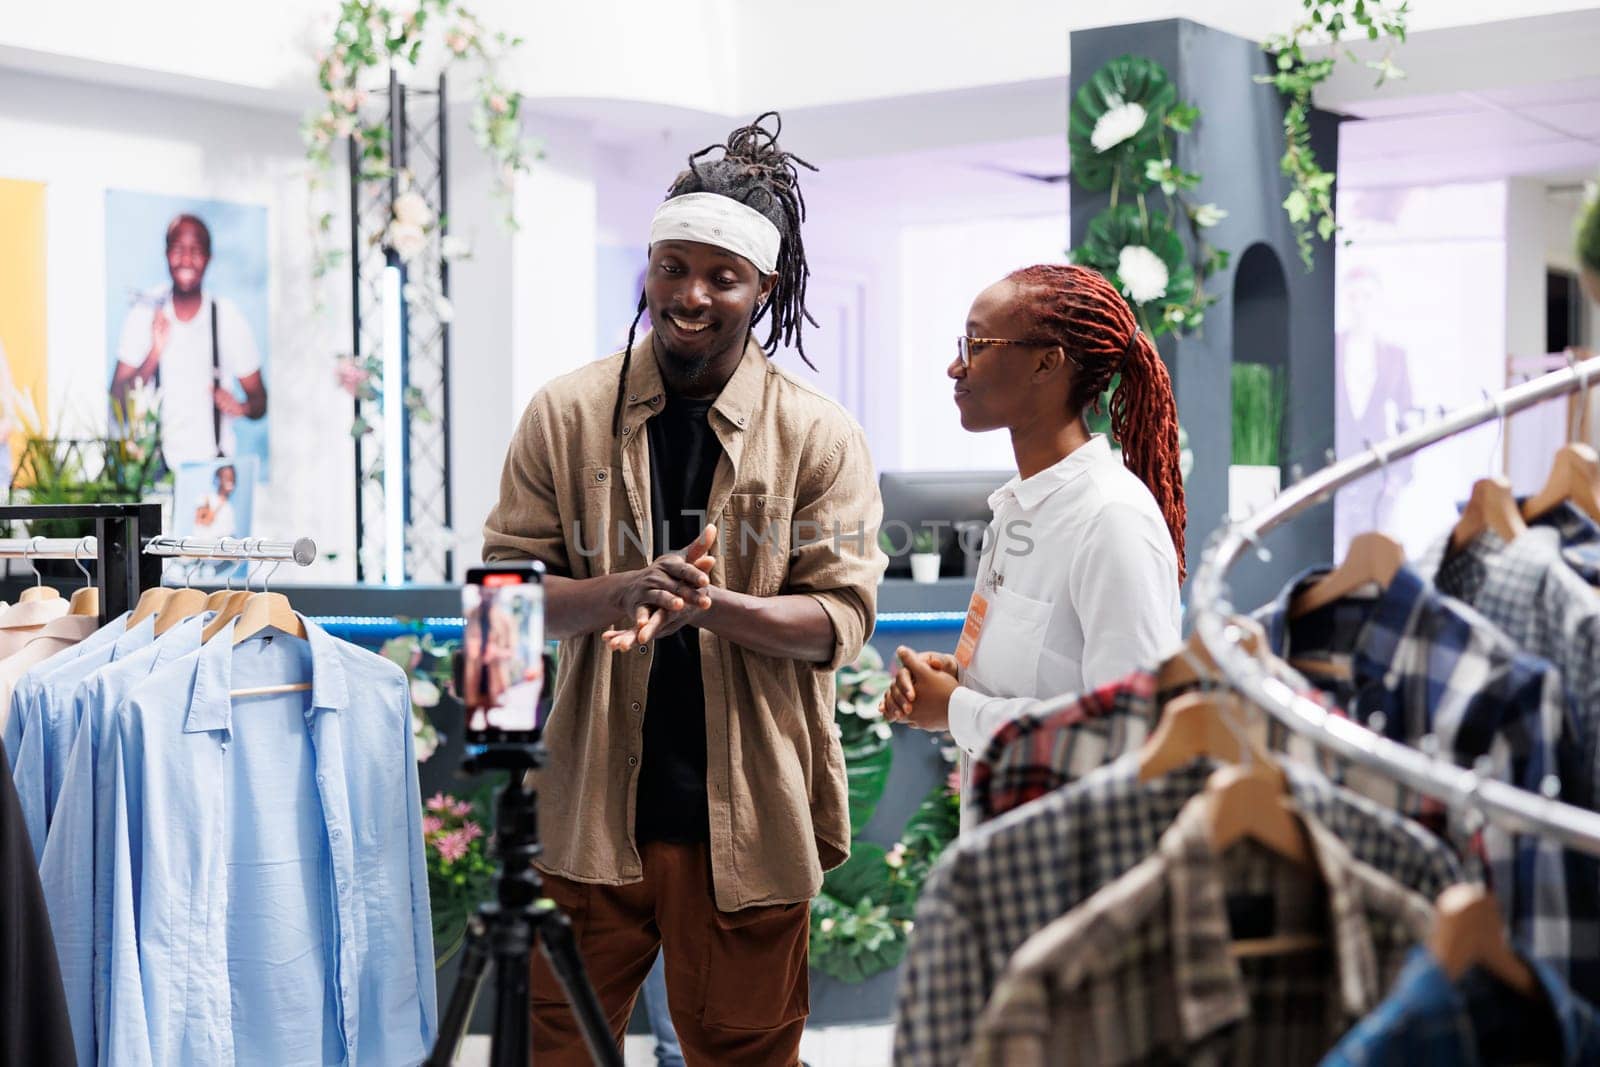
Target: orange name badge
x=971 y=629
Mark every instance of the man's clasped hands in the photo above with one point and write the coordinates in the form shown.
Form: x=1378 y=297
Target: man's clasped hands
x=674 y=591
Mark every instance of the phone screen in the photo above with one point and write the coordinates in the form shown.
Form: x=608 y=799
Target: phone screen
x=501 y=672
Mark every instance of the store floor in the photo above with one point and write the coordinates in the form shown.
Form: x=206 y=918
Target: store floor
x=828 y=1046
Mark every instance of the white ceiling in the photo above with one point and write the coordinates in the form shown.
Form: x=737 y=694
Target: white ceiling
x=1551 y=130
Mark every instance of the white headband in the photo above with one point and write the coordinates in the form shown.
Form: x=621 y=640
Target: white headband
x=713 y=219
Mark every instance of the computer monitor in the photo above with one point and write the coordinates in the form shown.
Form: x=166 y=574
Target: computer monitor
x=943 y=503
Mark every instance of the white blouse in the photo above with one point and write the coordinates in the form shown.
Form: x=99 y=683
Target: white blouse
x=1081 y=580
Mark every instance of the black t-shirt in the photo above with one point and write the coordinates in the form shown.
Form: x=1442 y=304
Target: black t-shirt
x=671 y=802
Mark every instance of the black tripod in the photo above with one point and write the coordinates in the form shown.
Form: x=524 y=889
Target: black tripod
x=505 y=927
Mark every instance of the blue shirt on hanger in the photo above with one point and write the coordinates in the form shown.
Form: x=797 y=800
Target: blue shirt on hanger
x=46 y=727
x=79 y=911
x=241 y=929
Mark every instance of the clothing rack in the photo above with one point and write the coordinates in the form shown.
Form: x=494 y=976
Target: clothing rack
x=120 y=571
x=302 y=551
x=1505 y=805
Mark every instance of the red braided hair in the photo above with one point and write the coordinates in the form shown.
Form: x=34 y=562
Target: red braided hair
x=1076 y=308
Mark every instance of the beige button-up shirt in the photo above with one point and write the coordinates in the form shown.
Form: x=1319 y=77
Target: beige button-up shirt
x=795 y=501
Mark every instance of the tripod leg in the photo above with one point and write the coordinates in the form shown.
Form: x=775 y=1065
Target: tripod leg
x=555 y=935
x=474 y=961
x=510 y=1047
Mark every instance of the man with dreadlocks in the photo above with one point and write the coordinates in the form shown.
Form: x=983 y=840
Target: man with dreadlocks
x=1079 y=585
x=709 y=528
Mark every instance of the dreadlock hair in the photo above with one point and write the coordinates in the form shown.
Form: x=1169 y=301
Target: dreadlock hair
x=1078 y=309
x=756 y=172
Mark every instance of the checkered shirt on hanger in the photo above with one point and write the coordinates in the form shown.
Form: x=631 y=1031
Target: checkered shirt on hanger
x=1040 y=751
x=1142 y=972
x=1580 y=539
x=1527 y=589
x=998 y=886
x=1432 y=666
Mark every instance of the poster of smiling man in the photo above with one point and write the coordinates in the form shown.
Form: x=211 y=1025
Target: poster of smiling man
x=186 y=323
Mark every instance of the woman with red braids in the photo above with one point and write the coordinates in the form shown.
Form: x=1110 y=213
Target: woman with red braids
x=1082 y=563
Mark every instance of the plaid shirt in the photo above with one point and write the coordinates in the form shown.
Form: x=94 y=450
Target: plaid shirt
x=1432 y=666
x=1580 y=539
x=1142 y=971
x=1429 y=1019
x=1038 y=752
x=1528 y=590
x=995 y=888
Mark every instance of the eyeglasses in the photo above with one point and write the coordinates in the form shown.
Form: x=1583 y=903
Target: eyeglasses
x=966 y=346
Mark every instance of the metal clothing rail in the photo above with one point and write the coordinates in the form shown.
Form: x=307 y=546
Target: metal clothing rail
x=302 y=551
x=82 y=548
x=1504 y=805
x=121 y=571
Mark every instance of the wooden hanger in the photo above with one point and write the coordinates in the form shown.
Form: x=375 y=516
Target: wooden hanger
x=183 y=604
x=151 y=601
x=1574 y=477
x=85 y=601
x=1192 y=663
x=37 y=593
x=1371 y=557
x=267 y=611
x=1468 y=932
x=231 y=607
x=1491 y=507
x=219 y=598
x=1195 y=725
x=1249 y=800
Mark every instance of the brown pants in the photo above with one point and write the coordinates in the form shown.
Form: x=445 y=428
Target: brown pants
x=736 y=981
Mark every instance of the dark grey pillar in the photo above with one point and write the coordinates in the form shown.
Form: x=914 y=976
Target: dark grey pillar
x=1266 y=291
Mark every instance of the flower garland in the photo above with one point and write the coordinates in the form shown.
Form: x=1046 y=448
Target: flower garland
x=1121 y=119
x=1309 y=204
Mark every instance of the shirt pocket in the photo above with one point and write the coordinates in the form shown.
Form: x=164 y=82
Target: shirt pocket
x=597 y=538
x=1006 y=662
x=754 y=542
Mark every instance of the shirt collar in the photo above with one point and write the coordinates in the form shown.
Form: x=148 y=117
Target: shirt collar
x=1274 y=616
x=738 y=399
x=1032 y=491
x=1211 y=991
x=211 y=707
x=135 y=637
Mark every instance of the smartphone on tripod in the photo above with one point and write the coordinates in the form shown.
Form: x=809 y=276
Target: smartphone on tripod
x=502 y=670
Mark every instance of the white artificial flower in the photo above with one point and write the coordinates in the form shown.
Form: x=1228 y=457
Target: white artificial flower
x=454 y=247
x=411 y=209
x=1120 y=122
x=827 y=925
x=407 y=240
x=1143 y=274
x=424 y=693
x=444 y=310
x=883 y=731
x=1208 y=215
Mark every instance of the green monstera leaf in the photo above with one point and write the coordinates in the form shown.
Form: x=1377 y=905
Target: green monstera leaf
x=1123 y=227
x=1108 y=102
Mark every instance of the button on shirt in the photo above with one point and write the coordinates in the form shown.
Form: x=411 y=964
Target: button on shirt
x=241 y=930
x=995 y=888
x=796 y=502
x=1430 y=1019
x=1082 y=582
x=1142 y=972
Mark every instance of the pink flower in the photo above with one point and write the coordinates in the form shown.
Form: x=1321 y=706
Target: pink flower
x=439 y=802
x=460 y=809
x=352 y=375
x=452 y=846
x=431 y=824
x=472 y=830
x=457 y=42
x=953 y=783
x=499 y=104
